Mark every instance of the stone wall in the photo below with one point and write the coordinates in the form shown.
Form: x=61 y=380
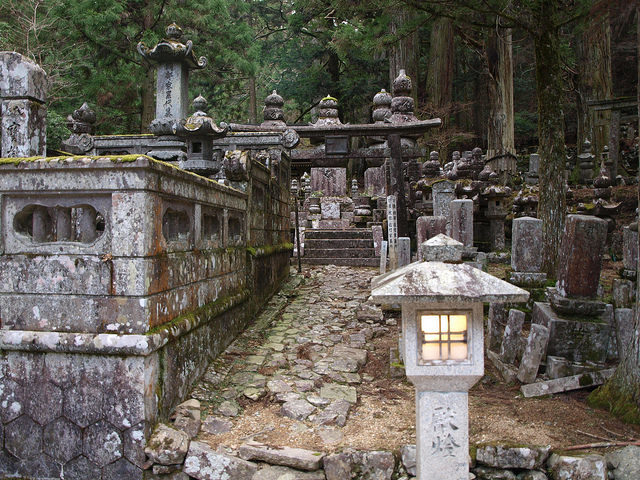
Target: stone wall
x=121 y=278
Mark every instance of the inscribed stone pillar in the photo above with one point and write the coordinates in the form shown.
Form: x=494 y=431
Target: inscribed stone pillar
x=444 y=192
x=428 y=227
x=526 y=244
x=580 y=259
x=443 y=435
x=23 y=88
x=331 y=181
x=392 y=231
x=462 y=221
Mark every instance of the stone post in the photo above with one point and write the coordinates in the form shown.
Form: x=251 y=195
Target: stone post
x=462 y=221
x=444 y=192
x=23 y=115
x=174 y=60
x=526 y=251
x=534 y=165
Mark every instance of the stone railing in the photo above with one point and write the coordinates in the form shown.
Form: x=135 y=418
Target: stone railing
x=121 y=278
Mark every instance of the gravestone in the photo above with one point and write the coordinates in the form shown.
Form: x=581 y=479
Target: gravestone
x=534 y=165
x=404 y=251
x=444 y=192
x=526 y=252
x=462 y=221
x=580 y=259
x=428 y=227
x=23 y=114
x=630 y=251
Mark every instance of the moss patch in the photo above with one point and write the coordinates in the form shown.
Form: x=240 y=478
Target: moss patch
x=267 y=250
x=620 y=404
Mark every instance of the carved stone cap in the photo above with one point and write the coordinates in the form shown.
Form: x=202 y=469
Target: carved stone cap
x=402 y=85
x=171 y=49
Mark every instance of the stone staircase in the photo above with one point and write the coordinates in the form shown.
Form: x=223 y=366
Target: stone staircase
x=353 y=247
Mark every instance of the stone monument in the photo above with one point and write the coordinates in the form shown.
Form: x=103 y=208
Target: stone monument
x=23 y=115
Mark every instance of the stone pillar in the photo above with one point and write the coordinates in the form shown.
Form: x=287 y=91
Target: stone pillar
x=462 y=221
x=428 y=227
x=444 y=192
x=23 y=115
x=534 y=165
x=392 y=231
x=630 y=252
x=442 y=435
x=614 y=142
x=580 y=258
x=526 y=251
x=404 y=251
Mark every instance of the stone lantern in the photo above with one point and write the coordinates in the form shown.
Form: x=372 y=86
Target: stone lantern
x=199 y=130
x=442 y=331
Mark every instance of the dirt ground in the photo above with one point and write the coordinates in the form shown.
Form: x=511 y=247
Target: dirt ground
x=384 y=417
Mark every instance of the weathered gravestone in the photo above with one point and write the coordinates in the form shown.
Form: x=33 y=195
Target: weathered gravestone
x=23 y=91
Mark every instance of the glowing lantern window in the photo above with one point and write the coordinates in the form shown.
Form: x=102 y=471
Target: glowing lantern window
x=443 y=336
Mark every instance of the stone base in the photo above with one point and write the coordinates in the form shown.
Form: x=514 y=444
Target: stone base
x=577 y=340
x=575 y=306
x=528 y=279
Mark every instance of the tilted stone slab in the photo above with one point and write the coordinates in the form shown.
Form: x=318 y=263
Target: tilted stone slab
x=284 y=456
x=565 y=384
x=534 y=353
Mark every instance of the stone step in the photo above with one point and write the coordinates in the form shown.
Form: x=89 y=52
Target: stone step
x=323 y=243
x=351 y=262
x=339 y=252
x=312 y=233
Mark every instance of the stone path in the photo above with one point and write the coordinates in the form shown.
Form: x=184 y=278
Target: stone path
x=305 y=352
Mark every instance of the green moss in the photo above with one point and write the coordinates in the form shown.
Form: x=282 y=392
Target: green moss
x=586 y=380
x=267 y=250
x=620 y=404
x=113 y=158
x=208 y=311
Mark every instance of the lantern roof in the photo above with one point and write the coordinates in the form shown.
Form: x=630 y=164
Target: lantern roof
x=439 y=282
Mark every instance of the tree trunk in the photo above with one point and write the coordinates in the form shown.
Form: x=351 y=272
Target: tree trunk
x=147 y=93
x=621 y=394
x=595 y=82
x=253 y=103
x=499 y=54
x=404 y=52
x=549 y=88
x=440 y=71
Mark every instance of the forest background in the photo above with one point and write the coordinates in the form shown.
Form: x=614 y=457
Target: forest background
x=306 y=49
